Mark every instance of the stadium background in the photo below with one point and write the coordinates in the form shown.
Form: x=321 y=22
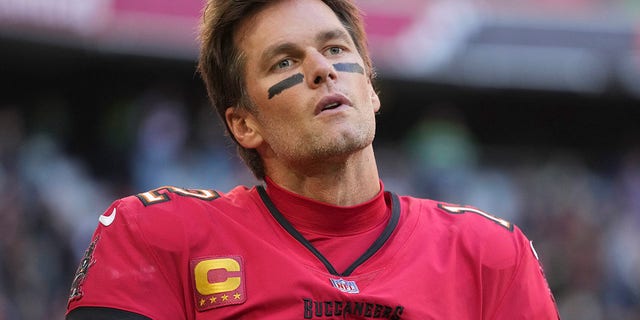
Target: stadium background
x=526 y=109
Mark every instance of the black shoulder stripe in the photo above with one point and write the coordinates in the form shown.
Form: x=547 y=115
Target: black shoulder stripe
x=100 y=313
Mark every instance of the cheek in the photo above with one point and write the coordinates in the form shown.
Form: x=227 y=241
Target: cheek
x=277 y=119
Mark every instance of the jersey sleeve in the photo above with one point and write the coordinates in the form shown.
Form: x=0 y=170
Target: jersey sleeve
x=122 y=270
x=526 y=294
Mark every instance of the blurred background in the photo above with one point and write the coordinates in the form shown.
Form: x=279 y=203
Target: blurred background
x=528 y=109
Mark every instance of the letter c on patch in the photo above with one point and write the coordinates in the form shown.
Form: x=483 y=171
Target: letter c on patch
x=201 y=275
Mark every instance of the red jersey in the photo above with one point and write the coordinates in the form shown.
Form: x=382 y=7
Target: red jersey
x=174 y=253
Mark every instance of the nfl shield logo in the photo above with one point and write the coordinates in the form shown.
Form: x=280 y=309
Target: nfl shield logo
x=345 y=286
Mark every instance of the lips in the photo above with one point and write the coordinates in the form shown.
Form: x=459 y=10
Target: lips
x=331 y=106
x=331 y=102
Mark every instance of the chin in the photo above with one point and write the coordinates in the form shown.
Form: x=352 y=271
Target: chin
x=342 y=146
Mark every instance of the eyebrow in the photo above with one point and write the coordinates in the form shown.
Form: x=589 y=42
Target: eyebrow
x=332 y=35
x=275 y=50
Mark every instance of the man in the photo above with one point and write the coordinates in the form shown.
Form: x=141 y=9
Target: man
x=293 y=81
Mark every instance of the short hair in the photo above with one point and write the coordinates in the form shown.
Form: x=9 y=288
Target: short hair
x=221 y=63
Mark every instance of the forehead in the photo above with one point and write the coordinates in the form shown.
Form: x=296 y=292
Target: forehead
x=290 y=21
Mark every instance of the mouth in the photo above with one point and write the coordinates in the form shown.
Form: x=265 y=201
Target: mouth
x=331 y=106
x=332 y=102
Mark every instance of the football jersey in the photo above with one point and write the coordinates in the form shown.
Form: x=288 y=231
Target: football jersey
x=174 y=253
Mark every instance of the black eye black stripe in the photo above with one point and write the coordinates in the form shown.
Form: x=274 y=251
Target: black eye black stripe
x=298 y=77
x=349 y=67
x=285 y=84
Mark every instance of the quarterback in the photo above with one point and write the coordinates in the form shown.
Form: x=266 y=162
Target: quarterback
x=321 y=238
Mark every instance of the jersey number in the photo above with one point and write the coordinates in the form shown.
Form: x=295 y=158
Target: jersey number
x=460 y=210
x=154 y=196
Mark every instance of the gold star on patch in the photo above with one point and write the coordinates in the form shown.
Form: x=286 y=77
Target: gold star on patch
x=213 y=299
x=225 y=297
x=236 y=296
x=202 y=302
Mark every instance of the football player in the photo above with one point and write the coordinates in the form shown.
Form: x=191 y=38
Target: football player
x=321 y=238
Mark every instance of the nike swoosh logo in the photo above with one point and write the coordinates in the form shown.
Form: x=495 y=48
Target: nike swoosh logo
x=108 y=220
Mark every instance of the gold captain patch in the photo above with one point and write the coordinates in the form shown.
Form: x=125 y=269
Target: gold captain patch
x=218 y=282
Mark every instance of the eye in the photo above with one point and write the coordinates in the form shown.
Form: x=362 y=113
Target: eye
x=283 y=64
x=335 y=50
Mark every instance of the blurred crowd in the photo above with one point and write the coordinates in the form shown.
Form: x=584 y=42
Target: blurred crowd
x=584 y=221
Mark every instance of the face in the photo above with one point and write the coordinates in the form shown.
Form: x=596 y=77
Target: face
x=312 y=99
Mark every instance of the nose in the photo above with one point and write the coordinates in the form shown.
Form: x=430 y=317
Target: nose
x=318 y=70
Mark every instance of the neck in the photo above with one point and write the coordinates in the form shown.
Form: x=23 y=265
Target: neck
x=341 y=182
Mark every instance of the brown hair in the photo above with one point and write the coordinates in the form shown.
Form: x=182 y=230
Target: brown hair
x=221 y=64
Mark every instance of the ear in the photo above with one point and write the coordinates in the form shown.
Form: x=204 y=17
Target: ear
x=243 y=127
x=375 y=100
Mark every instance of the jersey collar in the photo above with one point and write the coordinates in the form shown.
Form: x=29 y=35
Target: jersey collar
x=316 y=210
